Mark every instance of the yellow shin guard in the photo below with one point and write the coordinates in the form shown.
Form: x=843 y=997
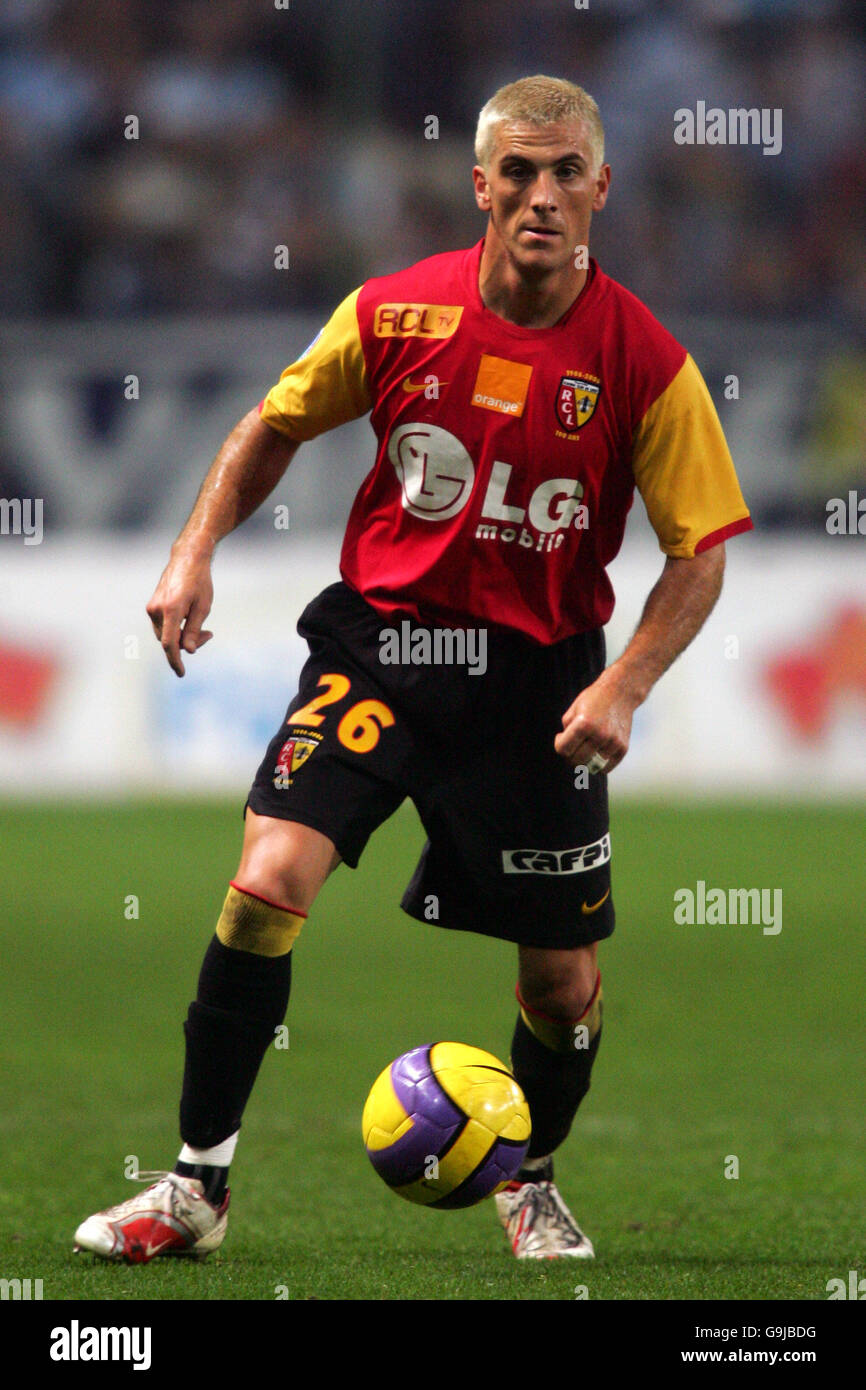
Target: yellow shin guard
x=565 y=1037
x=250 y=923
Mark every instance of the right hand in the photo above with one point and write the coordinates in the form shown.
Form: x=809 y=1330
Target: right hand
x=181 y=601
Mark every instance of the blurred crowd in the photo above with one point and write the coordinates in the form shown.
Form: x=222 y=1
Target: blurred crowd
x=307 y=124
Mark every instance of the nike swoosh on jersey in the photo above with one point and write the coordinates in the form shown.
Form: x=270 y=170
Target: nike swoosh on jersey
x=409 y=385
x=586 y=909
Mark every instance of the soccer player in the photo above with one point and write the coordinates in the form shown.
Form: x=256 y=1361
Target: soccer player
x=518 y=396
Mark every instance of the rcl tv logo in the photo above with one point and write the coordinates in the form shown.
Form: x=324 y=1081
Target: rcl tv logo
x=437 y=475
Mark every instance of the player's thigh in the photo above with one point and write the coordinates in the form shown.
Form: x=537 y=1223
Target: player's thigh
x=558 y=982
x=336 y=767
x=284 y=861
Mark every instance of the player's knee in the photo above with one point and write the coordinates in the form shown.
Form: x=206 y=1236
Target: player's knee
x=560 y=984
x=284 y=862
x=284 y=884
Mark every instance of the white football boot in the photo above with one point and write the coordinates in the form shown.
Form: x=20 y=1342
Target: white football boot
x=537 y=1222
x=171 y=1217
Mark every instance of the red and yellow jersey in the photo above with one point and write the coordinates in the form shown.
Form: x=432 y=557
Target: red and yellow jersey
x=508 y=457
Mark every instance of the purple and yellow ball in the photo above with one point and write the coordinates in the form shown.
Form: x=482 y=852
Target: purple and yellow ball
x=446 y=1125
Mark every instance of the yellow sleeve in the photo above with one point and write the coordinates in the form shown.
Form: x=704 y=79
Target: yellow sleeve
x=327 y=385
x=684 y=471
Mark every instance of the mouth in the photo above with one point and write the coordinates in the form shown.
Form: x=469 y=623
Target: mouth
x=541 y=235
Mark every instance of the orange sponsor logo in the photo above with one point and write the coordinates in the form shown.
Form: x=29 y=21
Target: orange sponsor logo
x=417 y=320
x=501 y=385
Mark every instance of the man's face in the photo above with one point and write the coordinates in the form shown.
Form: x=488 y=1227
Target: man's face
x=541 y=191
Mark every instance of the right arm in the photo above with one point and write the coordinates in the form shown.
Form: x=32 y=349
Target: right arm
x=245 y=471
x=325 y=387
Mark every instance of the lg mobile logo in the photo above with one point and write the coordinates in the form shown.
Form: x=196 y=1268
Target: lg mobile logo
x=437 y=475
x=557 y=861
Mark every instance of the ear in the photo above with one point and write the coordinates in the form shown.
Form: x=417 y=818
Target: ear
x=602 y=188
x=482 y=190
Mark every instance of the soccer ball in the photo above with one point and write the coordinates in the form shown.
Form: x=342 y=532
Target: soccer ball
x=446 y=1125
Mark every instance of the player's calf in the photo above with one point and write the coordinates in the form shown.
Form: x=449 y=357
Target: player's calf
x=552 y=1059
x=243 y=993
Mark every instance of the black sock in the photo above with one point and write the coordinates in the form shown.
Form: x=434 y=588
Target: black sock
x=242 y=999
x=554 y=1084
x=213 y=1180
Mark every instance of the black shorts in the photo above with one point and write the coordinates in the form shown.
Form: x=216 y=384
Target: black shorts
x=518 y=841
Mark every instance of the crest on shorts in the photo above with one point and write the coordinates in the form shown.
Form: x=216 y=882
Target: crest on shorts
x=576 y=400
x=292 y=755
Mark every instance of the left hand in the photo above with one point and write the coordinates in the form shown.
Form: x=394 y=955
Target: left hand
x=598 y=723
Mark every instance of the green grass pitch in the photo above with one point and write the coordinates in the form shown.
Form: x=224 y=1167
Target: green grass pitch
x=719 y=1041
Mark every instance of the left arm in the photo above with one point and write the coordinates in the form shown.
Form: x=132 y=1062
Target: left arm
x=599 y=720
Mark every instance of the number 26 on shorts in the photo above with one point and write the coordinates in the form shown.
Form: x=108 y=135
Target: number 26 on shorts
x=361 y=725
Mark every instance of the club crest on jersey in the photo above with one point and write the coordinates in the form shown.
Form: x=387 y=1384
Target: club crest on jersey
x=293 y=754
x=576 y=400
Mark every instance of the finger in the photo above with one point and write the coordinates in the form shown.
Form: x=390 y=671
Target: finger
x=589 y=748
x=192 y=628
x=569 y=746
x=193 y=638
x=607 y=756
x=610 y=760
x=170 y=641
x=154 y=612
x=578 y=740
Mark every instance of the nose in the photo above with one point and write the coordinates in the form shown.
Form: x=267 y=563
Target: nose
x=544 y=191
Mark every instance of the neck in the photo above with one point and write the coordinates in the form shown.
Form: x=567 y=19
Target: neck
x=530 y=302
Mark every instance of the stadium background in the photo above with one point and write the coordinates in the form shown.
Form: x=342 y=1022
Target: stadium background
x=143 y=313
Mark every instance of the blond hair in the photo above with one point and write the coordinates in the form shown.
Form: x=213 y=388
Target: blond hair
x=539 y=101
